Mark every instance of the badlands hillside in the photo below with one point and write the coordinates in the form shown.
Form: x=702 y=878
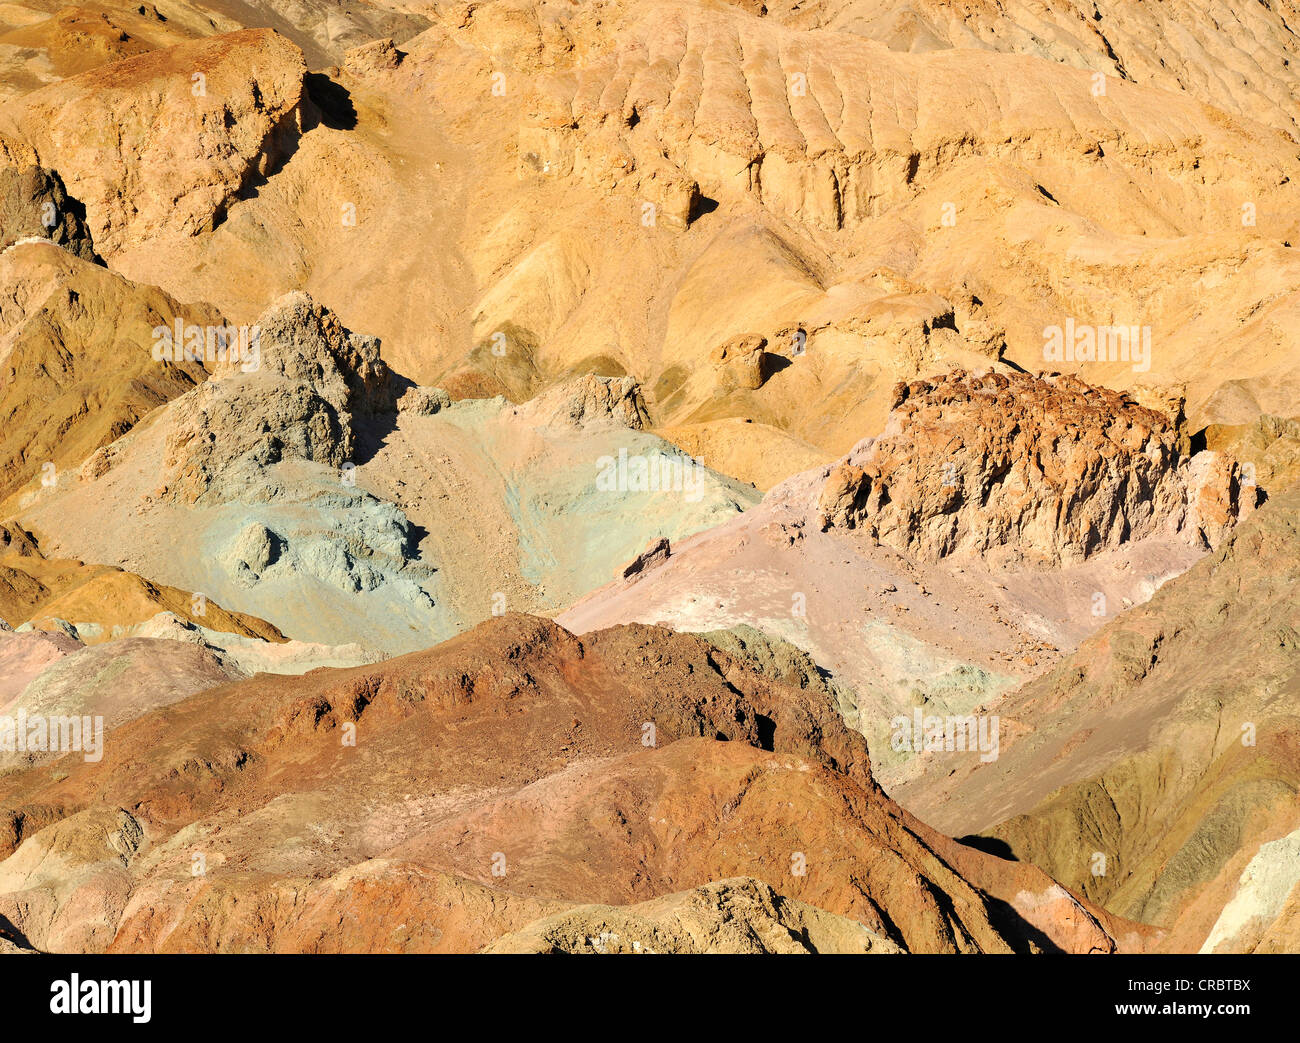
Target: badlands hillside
x=666 y=476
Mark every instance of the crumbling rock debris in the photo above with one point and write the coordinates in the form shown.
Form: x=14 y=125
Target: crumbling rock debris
x=423 y=401
x=299 y=396
x=589 y=399
x=738 y=915
x=374 y=57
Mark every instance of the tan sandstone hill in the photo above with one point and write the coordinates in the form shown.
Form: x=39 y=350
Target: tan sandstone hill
x=896 y=209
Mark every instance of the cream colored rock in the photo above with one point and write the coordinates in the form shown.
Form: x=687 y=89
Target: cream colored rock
x=730 y=916
x=588 y=400
x=740 y=363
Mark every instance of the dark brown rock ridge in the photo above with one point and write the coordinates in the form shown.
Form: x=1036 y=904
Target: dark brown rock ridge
x=34 y=204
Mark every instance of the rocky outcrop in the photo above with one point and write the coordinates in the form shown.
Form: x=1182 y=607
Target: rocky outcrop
x=1154 y=769
x=323 y=489
x=666 y=769
x=34 y=205
x=741 y=363
x=78 y=368
x=656 y=554
x=1268 y=448
x=423 y=401
x=742 y=915
x=587 y=400
x=165 y=141
x=302 y=390
x=1046 y=468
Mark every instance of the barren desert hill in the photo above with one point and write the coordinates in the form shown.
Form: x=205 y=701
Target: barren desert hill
x=99 y=600
x=313 y=487
x=44 y=41
x=563 y=189
x=812 y=364
x=1165 y=747
x=1236 y=57
x=992 y=525
x=76 y=344
x=624 y=767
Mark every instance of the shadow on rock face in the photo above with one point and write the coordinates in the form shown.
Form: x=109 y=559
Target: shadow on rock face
x=331 y=101
x=990 y=846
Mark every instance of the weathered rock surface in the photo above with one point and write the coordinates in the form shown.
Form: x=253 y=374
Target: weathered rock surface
x=1147 y=769
x=257 y=779
x=893 y=210
x=1046 y=468
x=303 y=393
x=740 y=363
x=595 y=237
x=742 y=915
x=656 y=554
x=165 y=141
x=315 y=481
x=1107 y=36
x=993 y=525
x=76 y=360
x=34 y=204
x=589 y=400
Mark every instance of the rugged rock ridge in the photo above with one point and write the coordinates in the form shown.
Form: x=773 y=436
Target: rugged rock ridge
x=737 y=776
x=693 y=100
x=164 y=141
x=1042 y=467
x=34 y=204
x=302 y=392
x=1166 y=743
x=76 y=368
